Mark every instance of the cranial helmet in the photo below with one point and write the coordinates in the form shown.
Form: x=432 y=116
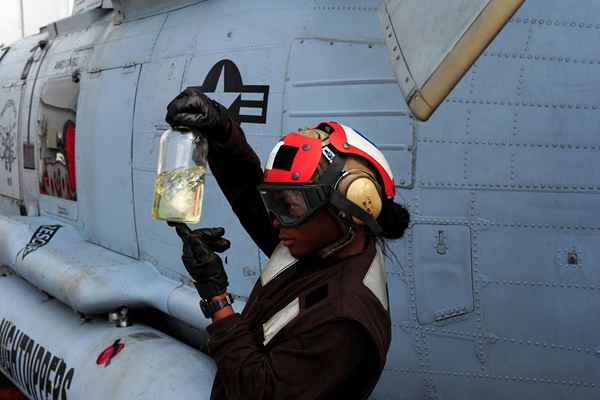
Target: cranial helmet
x=333 y=165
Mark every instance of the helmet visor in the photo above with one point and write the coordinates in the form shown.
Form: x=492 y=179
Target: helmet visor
x=293 y=205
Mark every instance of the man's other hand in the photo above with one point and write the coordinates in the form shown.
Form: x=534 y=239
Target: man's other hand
x=200 y=259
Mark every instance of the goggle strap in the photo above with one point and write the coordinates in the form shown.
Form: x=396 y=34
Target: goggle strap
x=343 y=204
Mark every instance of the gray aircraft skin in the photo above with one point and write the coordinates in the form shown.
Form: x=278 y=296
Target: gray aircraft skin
x=495 y=286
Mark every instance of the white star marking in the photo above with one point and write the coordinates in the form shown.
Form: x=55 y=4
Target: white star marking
x=227 y=99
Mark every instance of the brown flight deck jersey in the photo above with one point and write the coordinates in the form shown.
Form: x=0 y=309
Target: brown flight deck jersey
x=312 y=328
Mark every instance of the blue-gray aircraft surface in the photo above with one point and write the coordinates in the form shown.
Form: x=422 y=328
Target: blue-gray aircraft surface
x=494 y=288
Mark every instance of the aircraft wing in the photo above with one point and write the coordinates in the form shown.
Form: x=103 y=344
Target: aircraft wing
x=433 y=43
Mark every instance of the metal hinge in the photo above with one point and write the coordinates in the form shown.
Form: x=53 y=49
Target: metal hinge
x=126 y=67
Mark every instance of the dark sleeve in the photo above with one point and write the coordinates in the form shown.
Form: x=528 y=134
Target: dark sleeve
x=324 y=363
x=238 y=172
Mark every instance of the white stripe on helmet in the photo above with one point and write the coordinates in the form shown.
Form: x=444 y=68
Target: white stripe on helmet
x=272 y=155
x=357 y=140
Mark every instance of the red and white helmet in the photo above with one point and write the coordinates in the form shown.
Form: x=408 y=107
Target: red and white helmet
x=290 y=186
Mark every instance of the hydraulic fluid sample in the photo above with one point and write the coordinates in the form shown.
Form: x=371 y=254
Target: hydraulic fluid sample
x=179 y=185
x=178 y=195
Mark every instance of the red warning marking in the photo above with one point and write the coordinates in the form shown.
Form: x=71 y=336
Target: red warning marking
x=110 y=352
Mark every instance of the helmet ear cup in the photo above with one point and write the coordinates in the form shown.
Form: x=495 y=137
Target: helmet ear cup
x=361 y=189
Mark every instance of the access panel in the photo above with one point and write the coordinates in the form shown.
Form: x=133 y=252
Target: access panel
x=443 y=273
x=103 y=158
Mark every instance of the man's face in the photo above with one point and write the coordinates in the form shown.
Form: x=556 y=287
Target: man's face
x=319 y=231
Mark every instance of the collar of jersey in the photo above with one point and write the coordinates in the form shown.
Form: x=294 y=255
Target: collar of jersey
x=280 y=260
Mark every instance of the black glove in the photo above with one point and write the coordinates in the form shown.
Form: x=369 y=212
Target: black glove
x=194 y=110
x=204 y=266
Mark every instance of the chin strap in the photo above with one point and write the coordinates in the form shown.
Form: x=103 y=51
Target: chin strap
x=343 y=209
x=340 y=201
x=347 y=237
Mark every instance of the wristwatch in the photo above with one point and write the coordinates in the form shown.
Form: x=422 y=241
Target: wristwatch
x=210 y=307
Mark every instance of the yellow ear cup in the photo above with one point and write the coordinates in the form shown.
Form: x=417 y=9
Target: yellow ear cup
x=363 y=192
x=361 y=188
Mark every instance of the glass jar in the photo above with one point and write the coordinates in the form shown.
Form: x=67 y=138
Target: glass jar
x=179 y=184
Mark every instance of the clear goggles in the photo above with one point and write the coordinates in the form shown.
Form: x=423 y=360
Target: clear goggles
x=293 y=205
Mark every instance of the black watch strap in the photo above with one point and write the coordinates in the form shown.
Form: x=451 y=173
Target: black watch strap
x=210 y=307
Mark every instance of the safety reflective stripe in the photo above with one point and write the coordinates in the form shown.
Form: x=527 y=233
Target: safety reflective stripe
x=376 y=281
x=280 y=260
x=278 y=321
x=348 y=141
x=357 y=140
x=272 y=155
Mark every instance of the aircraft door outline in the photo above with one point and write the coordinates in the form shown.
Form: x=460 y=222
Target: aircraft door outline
x=14 y=111
x=58 y=110
x=105 y=125
x=52 y=111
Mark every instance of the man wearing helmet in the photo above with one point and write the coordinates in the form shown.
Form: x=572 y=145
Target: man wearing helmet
x=317 y=323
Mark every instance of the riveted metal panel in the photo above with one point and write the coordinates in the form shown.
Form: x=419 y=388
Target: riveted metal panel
x=160 y=82
x=567 y=163
x=443 y=275
x=14 y=85
x=103 y=151
x=134 y=9
x=534 y=309
x=127 y=43
x=361 y=95
x=66 y=58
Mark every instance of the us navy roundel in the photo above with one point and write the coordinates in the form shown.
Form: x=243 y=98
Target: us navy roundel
x=224 y=84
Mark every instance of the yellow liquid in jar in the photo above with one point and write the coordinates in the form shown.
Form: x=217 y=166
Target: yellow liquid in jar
x=178 y=195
